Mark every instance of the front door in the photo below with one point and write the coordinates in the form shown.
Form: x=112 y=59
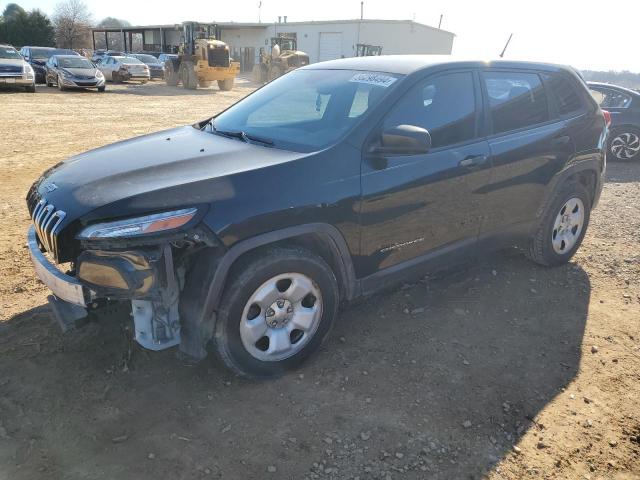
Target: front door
x=416 y=207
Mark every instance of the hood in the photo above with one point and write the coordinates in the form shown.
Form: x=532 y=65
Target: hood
x=179 y=167
x=85 y=72
x=12 y=62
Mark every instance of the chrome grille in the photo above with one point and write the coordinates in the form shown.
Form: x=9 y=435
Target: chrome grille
x=47 y=222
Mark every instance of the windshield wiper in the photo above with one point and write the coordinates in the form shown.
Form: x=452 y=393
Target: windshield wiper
x=245 y=137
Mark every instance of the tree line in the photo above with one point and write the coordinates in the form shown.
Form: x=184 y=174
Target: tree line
x=68 y=27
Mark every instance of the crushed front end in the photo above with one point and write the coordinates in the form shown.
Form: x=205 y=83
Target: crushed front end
x=141 y=261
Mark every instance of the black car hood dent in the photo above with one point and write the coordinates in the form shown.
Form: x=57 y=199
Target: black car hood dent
x=179 y=167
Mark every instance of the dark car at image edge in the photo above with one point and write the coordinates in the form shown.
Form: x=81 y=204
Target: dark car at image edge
x=246 y=231
x=624 y=106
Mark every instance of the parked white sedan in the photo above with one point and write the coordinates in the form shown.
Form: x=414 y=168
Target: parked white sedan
x=120 y=69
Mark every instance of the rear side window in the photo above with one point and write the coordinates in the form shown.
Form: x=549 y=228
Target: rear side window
x=516 y=100
x=607 y=98
x=567 y=99
x=444 y=105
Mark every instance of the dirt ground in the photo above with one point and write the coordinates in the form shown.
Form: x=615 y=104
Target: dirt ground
x=501 y=370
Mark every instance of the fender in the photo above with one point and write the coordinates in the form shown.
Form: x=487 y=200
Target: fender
x=593 y=163
x=337 y=243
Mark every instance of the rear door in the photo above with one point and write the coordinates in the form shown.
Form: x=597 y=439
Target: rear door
x=425 y=205
x=529 y=144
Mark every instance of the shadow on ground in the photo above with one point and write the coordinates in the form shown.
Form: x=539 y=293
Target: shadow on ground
x=436 y=380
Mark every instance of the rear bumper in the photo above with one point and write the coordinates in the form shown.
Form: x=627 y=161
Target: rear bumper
x=63 y=286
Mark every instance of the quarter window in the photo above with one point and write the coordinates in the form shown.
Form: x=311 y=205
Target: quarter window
x=516 y=100
x=444 y=105
x=567 y=98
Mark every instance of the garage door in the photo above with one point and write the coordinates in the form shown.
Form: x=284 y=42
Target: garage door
x=330 y=45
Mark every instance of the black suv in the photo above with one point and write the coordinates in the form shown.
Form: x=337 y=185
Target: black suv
x=624 y=106
x=247 y=230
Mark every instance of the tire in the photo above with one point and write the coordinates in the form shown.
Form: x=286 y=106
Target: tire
x=102 y=88
x=60 y=84
x=226 y=85
x=171 y=77
x=188 y=76
x=560 y=234
x=274 y=72
x=624 y=144
x=286 y=273
x=49 y=84
x=30 y=89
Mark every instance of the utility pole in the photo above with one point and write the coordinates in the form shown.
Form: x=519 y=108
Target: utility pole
x=506 y=45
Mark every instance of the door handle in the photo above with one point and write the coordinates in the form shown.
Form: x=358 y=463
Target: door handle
x=473 y=161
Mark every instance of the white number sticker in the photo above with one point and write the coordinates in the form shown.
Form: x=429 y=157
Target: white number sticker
x=377 y=79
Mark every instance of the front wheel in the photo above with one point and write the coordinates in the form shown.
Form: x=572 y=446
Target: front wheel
x=102 y=88
x=563 y=226
x=625 y=144
x=277 y=308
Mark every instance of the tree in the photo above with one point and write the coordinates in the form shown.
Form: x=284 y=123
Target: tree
x=18 y=27
x=112 y=22
x=72 y=22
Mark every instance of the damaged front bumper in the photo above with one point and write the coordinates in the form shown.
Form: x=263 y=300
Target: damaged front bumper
x=64 y=287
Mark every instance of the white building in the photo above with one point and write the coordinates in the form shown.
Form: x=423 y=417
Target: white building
x=322 y=40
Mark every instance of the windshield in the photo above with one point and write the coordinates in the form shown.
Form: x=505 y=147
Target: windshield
x=8 y=52
x=130 y=61
x=75 y=62
x=147 y=58
x=307 y=110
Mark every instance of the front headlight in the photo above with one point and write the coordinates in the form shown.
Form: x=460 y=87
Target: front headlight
x=132 y=227
x=99 y=74
x=27 y=69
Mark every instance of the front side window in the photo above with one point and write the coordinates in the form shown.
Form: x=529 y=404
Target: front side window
x=516 y=100
x=306 y=110
x=444 y=105
x=608 y=98
x=566 y=96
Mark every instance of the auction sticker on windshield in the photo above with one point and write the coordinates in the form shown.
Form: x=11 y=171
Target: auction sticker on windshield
x=371 y=78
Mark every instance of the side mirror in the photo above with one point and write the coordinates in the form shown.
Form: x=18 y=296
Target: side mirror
x=404 y=140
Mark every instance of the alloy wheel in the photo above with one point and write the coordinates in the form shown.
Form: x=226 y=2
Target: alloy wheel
x=281 y=317
x=568 y=226
x=625 y=146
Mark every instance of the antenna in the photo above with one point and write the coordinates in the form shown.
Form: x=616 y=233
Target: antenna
x=259 y=11
x=361 y=10
x=440 y=22
x=506 y=45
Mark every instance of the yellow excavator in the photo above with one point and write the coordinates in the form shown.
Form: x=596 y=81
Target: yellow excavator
x=284 y=57
x=201 y=60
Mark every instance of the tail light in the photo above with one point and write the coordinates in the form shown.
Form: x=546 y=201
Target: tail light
x=607 y=117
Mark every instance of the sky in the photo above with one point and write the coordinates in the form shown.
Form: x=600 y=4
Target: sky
x=573 y=32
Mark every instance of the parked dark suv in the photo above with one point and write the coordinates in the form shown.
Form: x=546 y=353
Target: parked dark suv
x=624 y=106
x=249 y=229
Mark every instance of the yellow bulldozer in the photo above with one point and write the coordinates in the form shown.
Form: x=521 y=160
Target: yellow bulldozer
x=283 y=58
x=201 y=60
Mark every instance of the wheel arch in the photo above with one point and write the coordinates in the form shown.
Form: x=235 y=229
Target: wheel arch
x=322 y=239
x=587 y=172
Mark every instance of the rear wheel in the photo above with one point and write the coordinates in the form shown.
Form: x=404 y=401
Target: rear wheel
x=171 y=77
x=277 y=309
x=226 y=84
x=188 y=76
x=563 y=226
x=624 y=144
